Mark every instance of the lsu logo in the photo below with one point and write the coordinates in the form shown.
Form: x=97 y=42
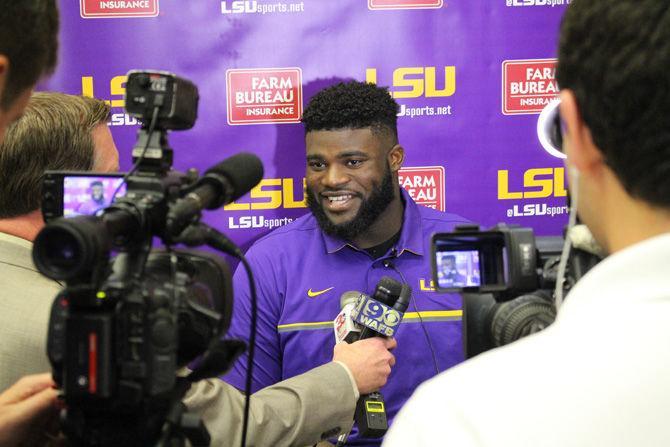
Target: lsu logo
x=100 y=9
x=404 y=4
x=551 y=3
x=425 y=184
x=264 y=95
x=528 y=85
x=426 y=285
x=414 y=82
x=537 y=183
x=117 y=90
x=272 y=193
x=239 y=7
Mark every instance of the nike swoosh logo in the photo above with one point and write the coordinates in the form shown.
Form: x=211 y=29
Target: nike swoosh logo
x=312 y=294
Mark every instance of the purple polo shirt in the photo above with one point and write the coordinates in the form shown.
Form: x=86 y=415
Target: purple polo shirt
x=300 y=275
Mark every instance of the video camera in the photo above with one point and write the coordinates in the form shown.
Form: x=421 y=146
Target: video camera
x=125 y=324
x=507 y=277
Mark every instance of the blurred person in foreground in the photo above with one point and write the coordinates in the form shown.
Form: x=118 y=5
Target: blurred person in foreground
x=598 y=375
x=28 y=51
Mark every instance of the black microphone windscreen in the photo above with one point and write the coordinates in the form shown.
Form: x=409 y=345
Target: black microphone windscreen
x=388 y=290
x=243 y=171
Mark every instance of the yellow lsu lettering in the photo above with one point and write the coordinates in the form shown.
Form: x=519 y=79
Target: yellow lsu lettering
x=418 y=81
x=117 y=87
x=430 y=287
x=537 y=183
x=272 y=196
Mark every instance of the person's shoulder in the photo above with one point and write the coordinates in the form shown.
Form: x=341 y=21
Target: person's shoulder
x=440 y=219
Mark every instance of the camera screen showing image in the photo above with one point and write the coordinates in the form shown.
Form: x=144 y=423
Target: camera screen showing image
x=470 y=261
x=502 y=259
x=70 y=194
x=87 y=195
x=458 y=268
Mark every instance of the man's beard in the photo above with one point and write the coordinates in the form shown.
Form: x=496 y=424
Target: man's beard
x=369 y=211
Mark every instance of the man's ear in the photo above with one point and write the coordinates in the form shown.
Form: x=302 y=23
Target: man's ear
x=582 y=152
x=396 y=156
x=4 y=71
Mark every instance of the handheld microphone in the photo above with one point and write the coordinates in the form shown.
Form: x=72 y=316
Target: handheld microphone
x=380 y=316
x=221 y=184
x=346 y=330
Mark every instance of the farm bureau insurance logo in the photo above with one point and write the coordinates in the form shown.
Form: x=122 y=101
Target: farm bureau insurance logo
x=425 y=184
x=100 y=9
x=528 y=85
x=264 y=95
x=404 y=4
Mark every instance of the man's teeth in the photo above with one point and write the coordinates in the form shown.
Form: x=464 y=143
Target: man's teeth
x=339 y=198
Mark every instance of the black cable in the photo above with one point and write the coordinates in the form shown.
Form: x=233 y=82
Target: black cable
x=124 y=180
x=205 y=234
x=252 y=344
x=421 y=323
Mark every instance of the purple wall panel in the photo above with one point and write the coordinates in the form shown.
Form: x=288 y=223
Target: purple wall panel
x=455 y=121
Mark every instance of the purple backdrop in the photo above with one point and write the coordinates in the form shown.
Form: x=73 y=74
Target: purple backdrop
x=470 y=76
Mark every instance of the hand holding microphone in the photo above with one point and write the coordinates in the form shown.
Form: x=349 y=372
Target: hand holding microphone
x=368 y=360
x=367 y=319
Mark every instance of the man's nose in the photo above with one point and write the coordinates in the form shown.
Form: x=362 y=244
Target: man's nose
x=335 y=177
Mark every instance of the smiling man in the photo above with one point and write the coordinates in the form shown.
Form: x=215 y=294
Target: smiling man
x=362 y=226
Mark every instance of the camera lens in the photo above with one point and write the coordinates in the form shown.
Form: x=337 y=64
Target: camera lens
x=62 y=252
x=70 y=248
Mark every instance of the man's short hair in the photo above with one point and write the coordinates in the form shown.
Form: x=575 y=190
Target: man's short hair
x=54 y=133
x=615 y=56
x=29 y=39
x=352 y=105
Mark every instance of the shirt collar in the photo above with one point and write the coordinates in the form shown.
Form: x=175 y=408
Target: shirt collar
x=411 y=233
x=625 y=278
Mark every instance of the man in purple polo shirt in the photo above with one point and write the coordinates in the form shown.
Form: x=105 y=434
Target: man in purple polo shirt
x=362 y=226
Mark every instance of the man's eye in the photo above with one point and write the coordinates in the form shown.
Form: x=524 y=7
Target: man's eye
x=354 y=162
x=316 y=165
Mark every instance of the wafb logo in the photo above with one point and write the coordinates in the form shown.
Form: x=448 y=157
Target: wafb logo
x=404 y=4
x=414 y=82
x=377 y=316
x=100 y=9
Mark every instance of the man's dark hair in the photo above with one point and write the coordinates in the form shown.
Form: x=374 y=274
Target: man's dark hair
x=615 y=56
x=29 y=39
x=54 y=133
x=352 y=105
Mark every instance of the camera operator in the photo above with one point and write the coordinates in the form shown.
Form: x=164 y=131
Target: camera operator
x=28 y=48
x=56 y=131
x=598 y=375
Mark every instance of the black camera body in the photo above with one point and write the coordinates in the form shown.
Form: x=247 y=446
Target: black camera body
x=507 y=277
x=124 y=325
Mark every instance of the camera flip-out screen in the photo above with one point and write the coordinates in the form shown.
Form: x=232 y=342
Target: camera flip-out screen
x=69 y=194
x=470 y=261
